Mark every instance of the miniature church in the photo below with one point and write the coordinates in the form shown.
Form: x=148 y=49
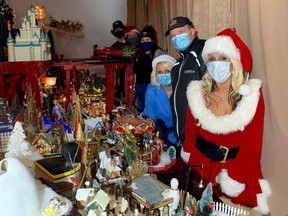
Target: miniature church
x=31 y=44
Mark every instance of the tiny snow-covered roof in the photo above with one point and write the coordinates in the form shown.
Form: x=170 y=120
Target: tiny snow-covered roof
x=101 y=198
x=47 y=137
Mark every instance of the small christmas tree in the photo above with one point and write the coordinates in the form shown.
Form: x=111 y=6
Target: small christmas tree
x=77 y=116
x=32 y=112
x=16 y=105
x=69 y=112
x=79 y=134
x=130 y=147
x=17 y=144
x=206 y=203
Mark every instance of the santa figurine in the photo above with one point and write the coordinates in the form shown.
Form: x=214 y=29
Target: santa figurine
x=225 y=119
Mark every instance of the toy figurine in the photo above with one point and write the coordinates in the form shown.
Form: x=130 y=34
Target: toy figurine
x=175 y=194
x=58 y=110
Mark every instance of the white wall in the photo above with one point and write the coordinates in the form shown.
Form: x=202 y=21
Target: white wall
x=97 y=17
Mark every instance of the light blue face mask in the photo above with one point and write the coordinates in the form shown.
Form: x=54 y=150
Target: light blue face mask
x=164 y=79
x=181 y=42
x=219 y=70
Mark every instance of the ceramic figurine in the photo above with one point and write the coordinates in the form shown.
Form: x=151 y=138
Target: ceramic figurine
x=175 y=194
x=58 y=110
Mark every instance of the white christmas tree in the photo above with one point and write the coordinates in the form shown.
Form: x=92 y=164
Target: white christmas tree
x=17 y=145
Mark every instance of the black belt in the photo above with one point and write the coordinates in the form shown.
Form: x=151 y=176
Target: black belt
x=215 y=152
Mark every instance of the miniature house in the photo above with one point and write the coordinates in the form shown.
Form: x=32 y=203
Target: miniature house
x=43 y=143
x=111 y=167
x=112 y=171
x=92 y=148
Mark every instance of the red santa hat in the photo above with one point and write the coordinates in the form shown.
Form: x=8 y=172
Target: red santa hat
x=227 y=42
x=131 y=28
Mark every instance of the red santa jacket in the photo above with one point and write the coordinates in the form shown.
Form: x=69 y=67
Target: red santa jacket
x=240 y=178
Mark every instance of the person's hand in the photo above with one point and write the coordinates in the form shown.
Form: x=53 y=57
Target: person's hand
x=185 y=156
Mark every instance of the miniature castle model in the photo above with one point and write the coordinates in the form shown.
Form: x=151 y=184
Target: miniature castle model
x=31 y=45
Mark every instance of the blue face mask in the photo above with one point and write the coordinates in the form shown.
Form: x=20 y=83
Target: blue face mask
x=219 y=70
x=181 y=42
x=164 y=79
x=146 y=46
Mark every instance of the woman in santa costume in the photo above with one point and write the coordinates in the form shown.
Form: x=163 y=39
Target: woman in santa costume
x=224 y=125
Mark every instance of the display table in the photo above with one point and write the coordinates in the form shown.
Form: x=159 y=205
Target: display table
x=110 y=65
x=17 y=73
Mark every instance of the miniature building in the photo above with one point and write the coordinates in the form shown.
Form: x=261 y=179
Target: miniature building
x=43 y=143
x=112 y=171
x=31 y=44
x=111 y=167
x=148 y=192
x=92 y=148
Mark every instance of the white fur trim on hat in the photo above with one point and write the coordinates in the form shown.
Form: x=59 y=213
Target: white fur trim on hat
x=245 y=89
x=133 y=30
x=162 y=58
x=220 y=44
x=228 y=185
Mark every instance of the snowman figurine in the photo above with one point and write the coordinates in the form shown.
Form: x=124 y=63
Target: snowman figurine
x=175 y=194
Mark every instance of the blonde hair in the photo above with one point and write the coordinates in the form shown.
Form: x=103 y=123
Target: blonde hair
x=237 y=79
x=167 y=65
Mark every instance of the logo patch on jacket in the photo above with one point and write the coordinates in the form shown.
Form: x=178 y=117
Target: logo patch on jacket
x=189 y=71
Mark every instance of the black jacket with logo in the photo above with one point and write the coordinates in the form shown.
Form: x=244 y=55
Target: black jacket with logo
x=189 y=66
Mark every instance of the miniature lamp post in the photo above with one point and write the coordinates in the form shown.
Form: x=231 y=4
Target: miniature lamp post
x=50 y=82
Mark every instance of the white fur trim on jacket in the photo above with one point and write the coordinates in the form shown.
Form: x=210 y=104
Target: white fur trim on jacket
x=229 y=186
x=185 y=155
x=265 y=187
x=262 y=203
x=237 y=120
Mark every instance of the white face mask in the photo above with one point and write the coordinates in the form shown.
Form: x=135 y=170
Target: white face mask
x=219 y=70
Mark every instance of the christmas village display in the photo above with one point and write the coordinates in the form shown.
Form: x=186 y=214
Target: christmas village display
x=101 y=162
x=117 y=177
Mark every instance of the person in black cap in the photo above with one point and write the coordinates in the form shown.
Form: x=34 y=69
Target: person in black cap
x=117 y=31
x=189 y=66
x=148 y=50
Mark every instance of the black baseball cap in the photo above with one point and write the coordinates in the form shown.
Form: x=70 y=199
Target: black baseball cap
x=178 y=22
x=118 y=24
